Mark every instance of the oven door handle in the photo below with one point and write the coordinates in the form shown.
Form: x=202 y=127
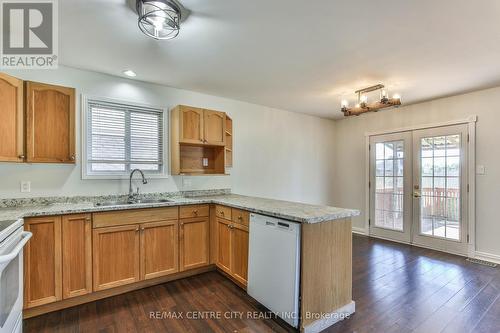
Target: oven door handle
x=26 y=235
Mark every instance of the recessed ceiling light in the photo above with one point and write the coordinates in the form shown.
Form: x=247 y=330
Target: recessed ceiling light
x=130 y=73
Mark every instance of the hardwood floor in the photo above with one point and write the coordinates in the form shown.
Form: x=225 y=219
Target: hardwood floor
x=397 y=288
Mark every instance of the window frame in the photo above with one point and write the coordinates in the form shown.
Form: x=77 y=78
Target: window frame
x=87 y=173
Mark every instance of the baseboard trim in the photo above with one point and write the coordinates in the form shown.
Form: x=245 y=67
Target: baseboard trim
x=419 y=245
x=487 y=257
x=359 y=231
x=329 y=319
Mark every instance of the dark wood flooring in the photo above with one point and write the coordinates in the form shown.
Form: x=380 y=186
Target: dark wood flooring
x=397 y=288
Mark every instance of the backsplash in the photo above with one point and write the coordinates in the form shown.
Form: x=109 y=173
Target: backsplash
x=17 y=202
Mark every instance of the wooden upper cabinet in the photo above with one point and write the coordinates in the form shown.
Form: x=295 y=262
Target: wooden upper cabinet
x=191 y=125
x=159 y=249
x=115 y=256
x=194 y=243
x=42 y=261
x=50 y=123
x=77 y=255
x=215 y=127
x=11 y=119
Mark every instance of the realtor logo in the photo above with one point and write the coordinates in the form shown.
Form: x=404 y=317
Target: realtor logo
x=29 y=34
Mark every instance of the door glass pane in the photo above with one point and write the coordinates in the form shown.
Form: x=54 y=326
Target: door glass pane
x=389 y=188
x=440 y=186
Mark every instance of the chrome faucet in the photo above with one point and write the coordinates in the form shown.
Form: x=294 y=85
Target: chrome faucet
x=132 y=197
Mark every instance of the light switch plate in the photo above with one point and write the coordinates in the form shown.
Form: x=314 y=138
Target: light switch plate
x=25 y=186
x=480 y=169
x=205 y=161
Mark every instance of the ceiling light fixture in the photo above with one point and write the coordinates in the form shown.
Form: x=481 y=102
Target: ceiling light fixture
x=363 y=106
x=130 y=73
x=159 y=19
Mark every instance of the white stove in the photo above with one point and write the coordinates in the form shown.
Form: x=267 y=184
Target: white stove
x=12 y=241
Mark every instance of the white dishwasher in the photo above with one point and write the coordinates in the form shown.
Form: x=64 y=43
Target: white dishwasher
x=274 y=265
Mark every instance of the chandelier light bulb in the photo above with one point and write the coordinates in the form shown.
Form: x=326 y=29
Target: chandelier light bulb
x=363 y=99
x=344 y=103
x=396 y=96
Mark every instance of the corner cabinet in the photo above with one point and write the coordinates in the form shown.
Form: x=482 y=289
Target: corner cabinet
x=11 y=119
x=198 y=141
x=50 y=123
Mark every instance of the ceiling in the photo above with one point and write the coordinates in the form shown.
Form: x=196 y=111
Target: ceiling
x=302 y=56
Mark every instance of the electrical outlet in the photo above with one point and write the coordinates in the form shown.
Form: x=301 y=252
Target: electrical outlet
x=480 y=169
x=187 y=182
x=25 y=186
x=205 y=161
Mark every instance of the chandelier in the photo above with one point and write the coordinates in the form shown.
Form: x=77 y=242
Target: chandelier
x=363 y=106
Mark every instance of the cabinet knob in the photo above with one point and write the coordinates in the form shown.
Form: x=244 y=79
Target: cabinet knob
x=72 y=157
x=21 y=157
x=88 y=219
x=195 y=212
x=221 y=212
x=136 y=229
x=240 y=217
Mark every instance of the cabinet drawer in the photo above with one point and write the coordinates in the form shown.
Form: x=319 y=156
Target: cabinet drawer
x=134 y=216
x=223 y=212
x=240 y=216
x=193 y=211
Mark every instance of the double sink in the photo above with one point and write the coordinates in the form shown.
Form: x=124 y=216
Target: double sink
x=127 y=202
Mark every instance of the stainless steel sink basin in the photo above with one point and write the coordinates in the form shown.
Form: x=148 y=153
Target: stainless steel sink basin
x=125 y=203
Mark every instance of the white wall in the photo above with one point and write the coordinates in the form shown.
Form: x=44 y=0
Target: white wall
x=277 y=153
x=350 y=154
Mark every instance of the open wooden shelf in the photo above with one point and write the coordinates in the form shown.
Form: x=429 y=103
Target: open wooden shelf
x=229 y=142
x=191 y=159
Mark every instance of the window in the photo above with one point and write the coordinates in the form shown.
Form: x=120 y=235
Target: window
x=121 y=137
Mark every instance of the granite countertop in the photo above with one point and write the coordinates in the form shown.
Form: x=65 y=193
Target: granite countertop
x=297 y=212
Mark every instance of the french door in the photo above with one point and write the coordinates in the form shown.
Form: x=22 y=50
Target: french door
x=418 y=187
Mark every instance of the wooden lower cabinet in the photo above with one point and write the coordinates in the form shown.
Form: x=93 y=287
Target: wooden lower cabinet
x=42 y=261
x=239 y=249
x=232 y=249
x=224 y=245
x=76 y=255
x=159 y=249
x=116 y=256
x=194 y=243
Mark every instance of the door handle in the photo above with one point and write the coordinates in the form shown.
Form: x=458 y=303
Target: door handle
x=25 y=237
x=416 y=194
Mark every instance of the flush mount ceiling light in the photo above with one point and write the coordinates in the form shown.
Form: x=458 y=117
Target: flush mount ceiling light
x=363 y=106
x=160 y=19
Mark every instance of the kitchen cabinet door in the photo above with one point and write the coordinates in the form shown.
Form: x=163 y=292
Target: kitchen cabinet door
x=115 y=256
x=50 y=123
x=191 y=125
x=77 y=255
x=215 y=127
x=223 y=230
x=42 y=261
x=159 y=249
x=194 y=243
x=11 y=119
x=239 y=253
